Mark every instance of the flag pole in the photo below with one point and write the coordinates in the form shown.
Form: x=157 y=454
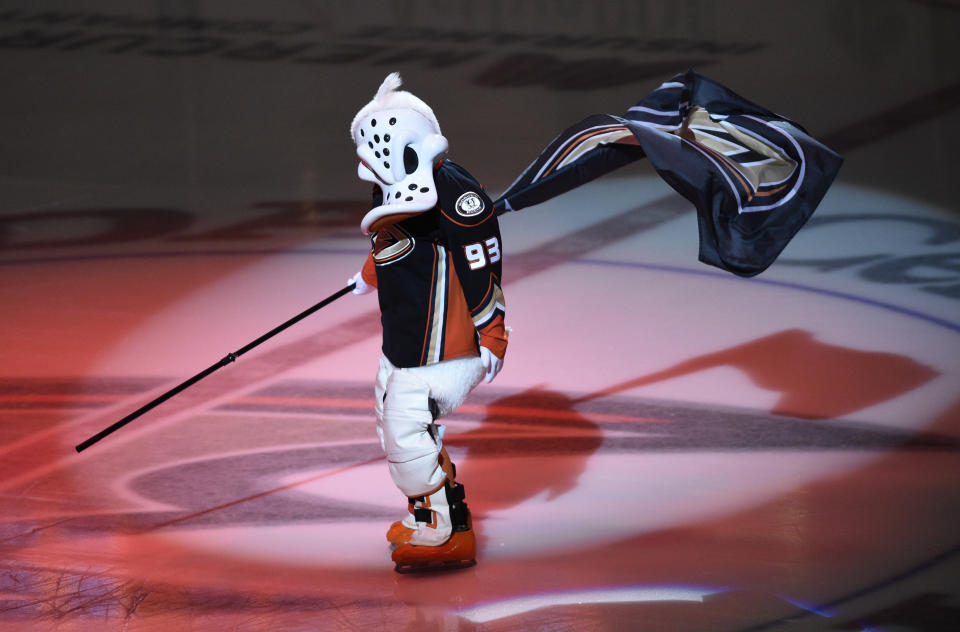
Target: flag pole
x=227 y=359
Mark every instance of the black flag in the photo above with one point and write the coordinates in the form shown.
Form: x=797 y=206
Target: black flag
x=754 y=177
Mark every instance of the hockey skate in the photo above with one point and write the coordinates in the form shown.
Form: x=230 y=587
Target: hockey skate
x=443 y=538
x=401 y=530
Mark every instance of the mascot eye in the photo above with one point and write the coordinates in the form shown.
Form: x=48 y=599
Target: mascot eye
x=410 y=160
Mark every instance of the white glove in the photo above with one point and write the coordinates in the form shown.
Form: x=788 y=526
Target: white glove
x=491 y=363
x=362 y=286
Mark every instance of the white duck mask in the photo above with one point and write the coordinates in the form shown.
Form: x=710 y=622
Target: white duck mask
x=398 y=141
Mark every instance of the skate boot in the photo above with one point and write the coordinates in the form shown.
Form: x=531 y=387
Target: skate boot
x=401 y=530
x=443 y=538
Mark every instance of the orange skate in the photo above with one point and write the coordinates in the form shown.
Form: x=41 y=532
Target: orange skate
x=401 y=530
x=443 y=538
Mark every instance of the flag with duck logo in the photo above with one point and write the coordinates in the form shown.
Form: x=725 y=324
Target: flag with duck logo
x=754 y=177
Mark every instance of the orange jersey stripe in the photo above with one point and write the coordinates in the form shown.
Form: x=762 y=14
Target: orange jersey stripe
x=461 y=334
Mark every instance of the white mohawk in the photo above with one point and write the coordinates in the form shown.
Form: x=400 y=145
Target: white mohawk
x=390 y=97
x=391 y=84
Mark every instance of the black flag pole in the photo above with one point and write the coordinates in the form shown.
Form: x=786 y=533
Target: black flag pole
x=227 y=359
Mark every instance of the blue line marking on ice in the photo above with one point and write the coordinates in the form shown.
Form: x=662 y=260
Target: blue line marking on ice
x=905 y=311
x=946 y=324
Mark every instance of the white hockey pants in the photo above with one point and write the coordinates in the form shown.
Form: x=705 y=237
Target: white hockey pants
x=409 y=437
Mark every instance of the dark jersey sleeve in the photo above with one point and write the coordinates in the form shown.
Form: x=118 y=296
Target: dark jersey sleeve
x=470 y=228
x=369 y=271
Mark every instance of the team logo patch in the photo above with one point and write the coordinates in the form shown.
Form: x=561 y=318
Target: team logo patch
x=392 y=244
x=469 y=204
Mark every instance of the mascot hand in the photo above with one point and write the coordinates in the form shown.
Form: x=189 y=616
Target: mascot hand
x=362 y=286
x=491 y=363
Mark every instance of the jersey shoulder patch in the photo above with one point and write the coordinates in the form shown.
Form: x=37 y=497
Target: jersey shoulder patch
x=469 y=204
x=461 y=198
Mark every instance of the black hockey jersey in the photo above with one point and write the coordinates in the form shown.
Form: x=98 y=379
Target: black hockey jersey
x=438 y=275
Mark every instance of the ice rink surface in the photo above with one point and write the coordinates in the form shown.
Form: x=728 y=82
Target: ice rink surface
x=669 y=447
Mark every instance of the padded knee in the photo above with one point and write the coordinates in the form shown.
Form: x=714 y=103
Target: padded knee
x=410 y=439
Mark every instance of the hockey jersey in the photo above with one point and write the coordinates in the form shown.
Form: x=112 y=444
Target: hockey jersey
x=438 y=275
